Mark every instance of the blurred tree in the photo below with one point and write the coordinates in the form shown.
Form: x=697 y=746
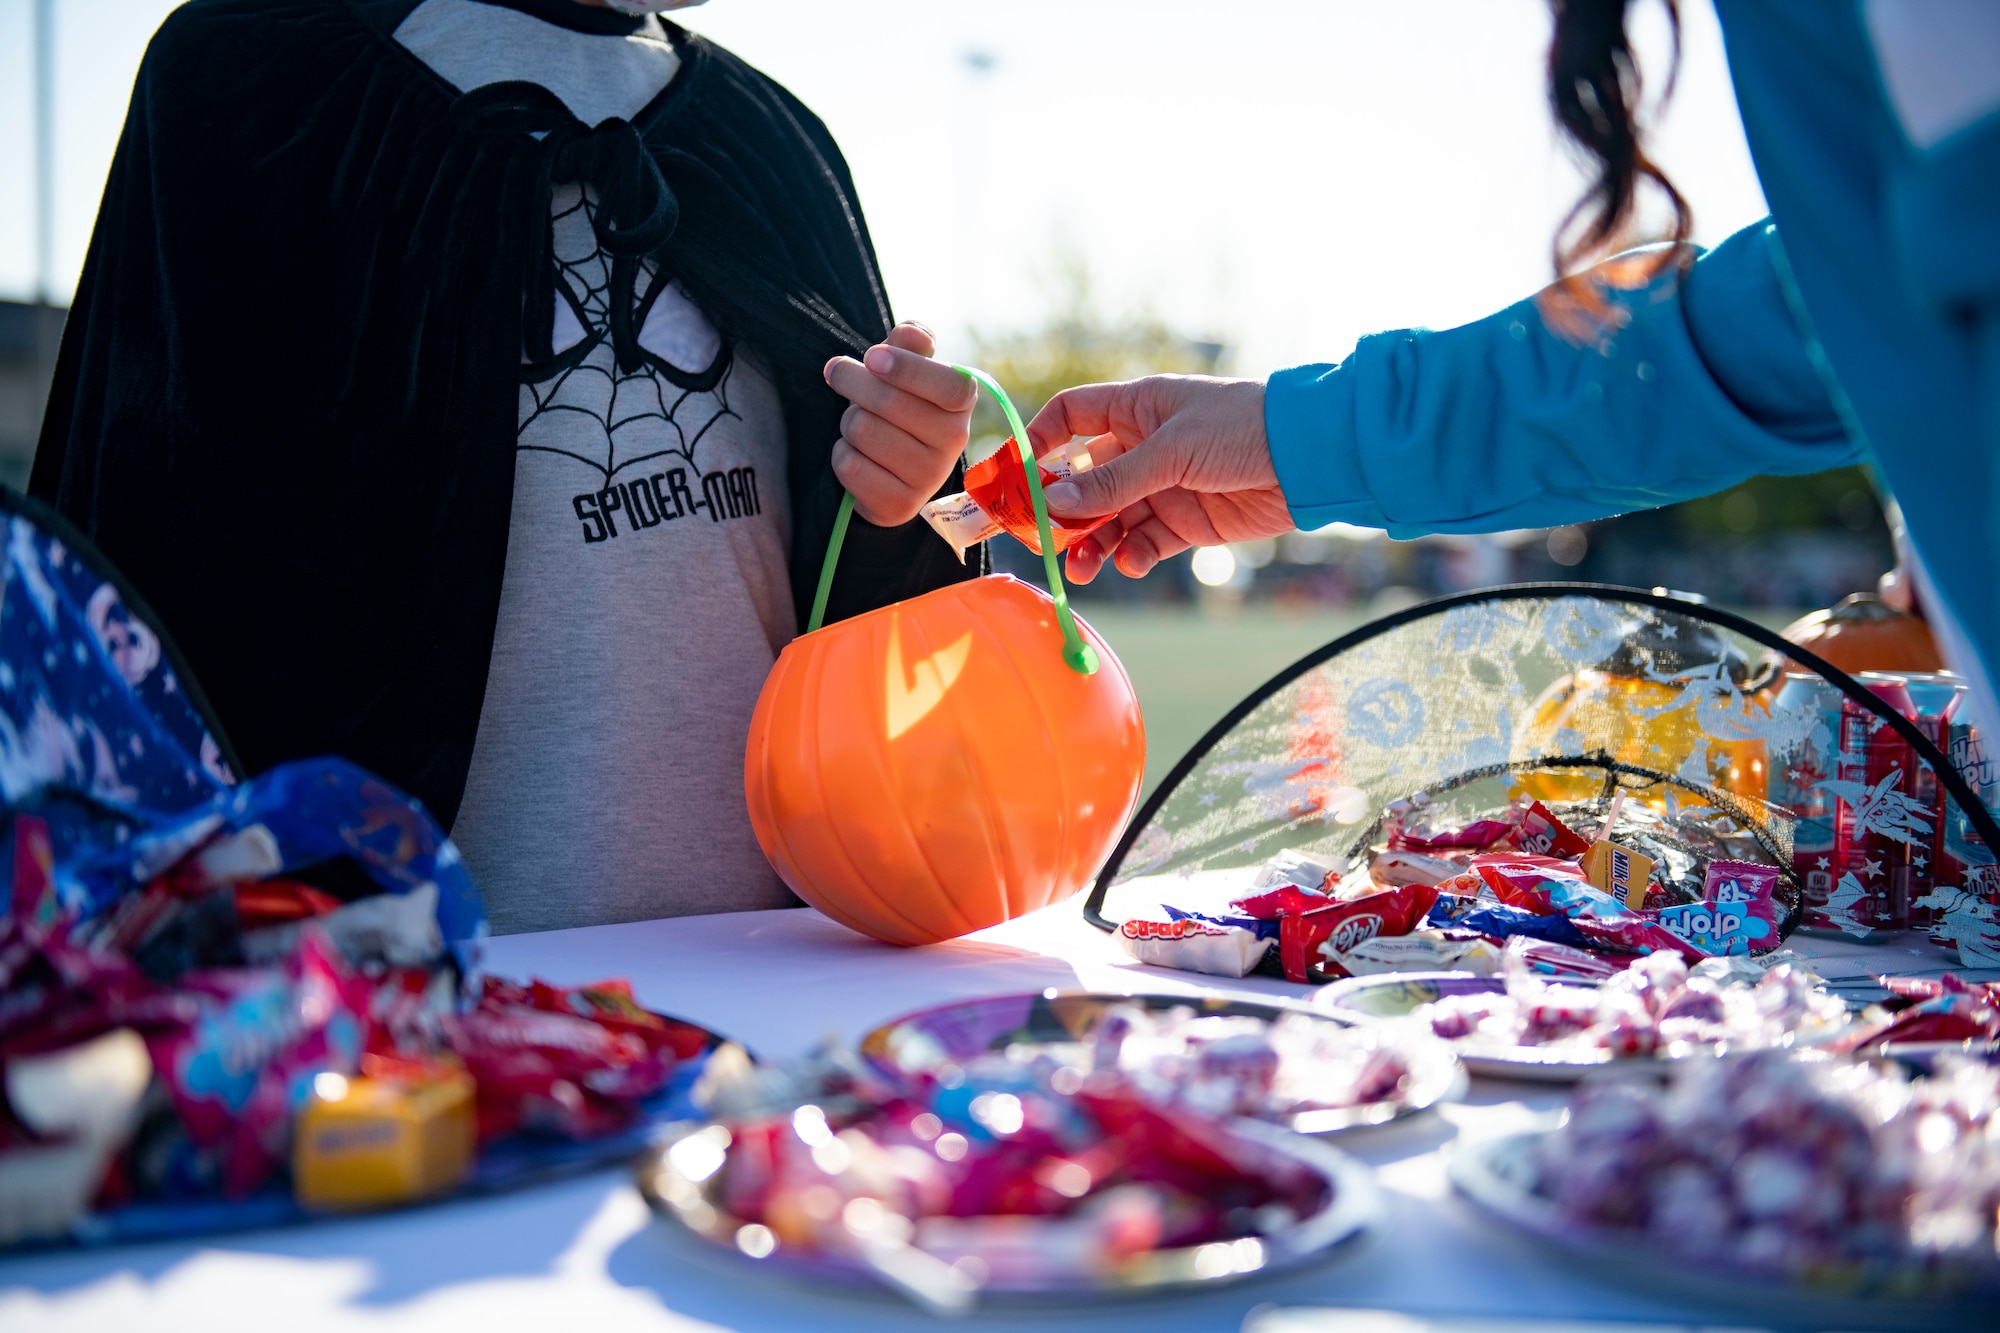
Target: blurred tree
x=1842 y=500
x=1078 y=343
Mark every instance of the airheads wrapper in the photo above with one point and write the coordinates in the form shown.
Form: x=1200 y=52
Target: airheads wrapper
x=1195 y=944
x=1542 y=834
x=1346 y=924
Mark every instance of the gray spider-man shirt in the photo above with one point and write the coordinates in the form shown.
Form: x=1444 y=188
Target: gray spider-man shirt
x=646 y=591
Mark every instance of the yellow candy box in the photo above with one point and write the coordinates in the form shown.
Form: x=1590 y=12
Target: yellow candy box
x=371 y=1142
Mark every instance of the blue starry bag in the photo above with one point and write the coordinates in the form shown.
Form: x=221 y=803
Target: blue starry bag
x=106 y=736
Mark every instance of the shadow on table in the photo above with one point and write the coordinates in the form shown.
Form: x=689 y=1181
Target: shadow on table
x=400 y=1255
x=697 y=1281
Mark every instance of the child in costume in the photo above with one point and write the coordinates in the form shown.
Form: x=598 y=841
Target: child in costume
x=456 y=378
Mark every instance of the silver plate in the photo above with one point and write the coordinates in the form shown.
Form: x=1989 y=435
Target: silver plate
x=1049 y=1021
x=1398 y=994
x=1498 y=1176
x=1354 y=1206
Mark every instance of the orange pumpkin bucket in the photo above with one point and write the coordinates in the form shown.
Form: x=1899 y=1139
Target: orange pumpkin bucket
x=949 y=762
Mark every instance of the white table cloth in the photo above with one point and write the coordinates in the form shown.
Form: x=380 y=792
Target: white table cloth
x=586 y=1254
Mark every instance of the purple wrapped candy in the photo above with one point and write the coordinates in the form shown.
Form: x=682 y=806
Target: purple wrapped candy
x=1795 y=1165
x=1559 y=1011
x=1700 y=999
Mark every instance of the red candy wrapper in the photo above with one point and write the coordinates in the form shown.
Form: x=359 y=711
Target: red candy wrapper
x=999 y=484
x=610 y=1004
x=1557 y=888
x=1947 y=1009
x=540 y=1064
x=1474 y=837
x=1544 y=885
x=1542 y=834
x=270 y=902
x=1346 y=924
x=1283 y=901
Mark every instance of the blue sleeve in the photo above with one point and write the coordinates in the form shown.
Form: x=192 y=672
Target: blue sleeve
x=1686 y=387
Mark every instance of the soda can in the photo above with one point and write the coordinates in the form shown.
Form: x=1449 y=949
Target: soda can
x=1936 y=695
x=1801 y=757
x=1964 y=861
x=1874 y=835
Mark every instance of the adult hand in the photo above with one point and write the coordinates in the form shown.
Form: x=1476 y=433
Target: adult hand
x=907 y=425
x=1187 y=465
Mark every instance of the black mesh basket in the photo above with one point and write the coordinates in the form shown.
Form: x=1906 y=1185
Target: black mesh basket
x=1715 y=738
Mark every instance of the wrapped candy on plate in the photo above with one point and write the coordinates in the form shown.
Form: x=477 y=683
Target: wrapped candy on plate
x=992 y=1176
x=1819 y=1169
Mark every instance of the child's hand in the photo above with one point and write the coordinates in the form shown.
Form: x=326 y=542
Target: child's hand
x=908 y=424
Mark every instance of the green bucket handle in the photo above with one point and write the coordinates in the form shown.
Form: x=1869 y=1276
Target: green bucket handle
x=1079 y=656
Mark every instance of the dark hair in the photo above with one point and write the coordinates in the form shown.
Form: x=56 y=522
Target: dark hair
x=1595 y=91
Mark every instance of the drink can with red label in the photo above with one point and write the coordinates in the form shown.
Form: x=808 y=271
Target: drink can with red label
x=1874 y=833
x=1936 y=695
x=1964 y=861
x=1801 y=759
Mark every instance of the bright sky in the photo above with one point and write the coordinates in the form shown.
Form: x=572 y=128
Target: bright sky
x=1281 y=175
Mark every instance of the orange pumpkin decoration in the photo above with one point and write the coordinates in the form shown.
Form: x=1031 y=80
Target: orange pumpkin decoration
x=1650 y=724
x=934 y=767
x=1865 y=633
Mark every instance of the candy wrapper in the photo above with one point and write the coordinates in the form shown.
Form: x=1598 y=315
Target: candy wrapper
x=244 y=1067
x=996 y=500
x=1738 y=913
x=1542 y=834
x=1619 y=871
x=1190 y=943
x=1563 y=1002
x=1538 y=885
x=1309 y=940
x=1299 y=869
x=995 y=1171
x=566 y=1063
x=1418 y=951
x=1391 y=868
x=1947 y=1009
x=1809 y=1169
x=1478 y=836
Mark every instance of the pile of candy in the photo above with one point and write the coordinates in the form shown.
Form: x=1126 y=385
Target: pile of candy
x=1947 y=1009
x=996 y=1171
x=1446 y=900
x=1656 y=1005
x=1813 y=1167
x=208 y=1034
x=1242 y=1065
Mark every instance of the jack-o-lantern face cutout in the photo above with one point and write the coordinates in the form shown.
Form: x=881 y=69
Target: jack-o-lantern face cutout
x=934 y=768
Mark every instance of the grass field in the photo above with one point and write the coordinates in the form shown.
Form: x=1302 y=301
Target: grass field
x=1190 y=666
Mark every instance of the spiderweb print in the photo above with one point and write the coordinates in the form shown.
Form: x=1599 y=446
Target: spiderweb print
x=592 y=411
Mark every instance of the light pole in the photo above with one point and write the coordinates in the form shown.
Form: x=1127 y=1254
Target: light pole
x=48 y=320
x=45 y=151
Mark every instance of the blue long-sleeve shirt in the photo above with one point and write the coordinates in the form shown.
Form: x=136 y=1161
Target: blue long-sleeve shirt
x=1870 y=330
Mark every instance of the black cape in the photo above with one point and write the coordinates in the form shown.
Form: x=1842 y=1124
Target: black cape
x=287 y=398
